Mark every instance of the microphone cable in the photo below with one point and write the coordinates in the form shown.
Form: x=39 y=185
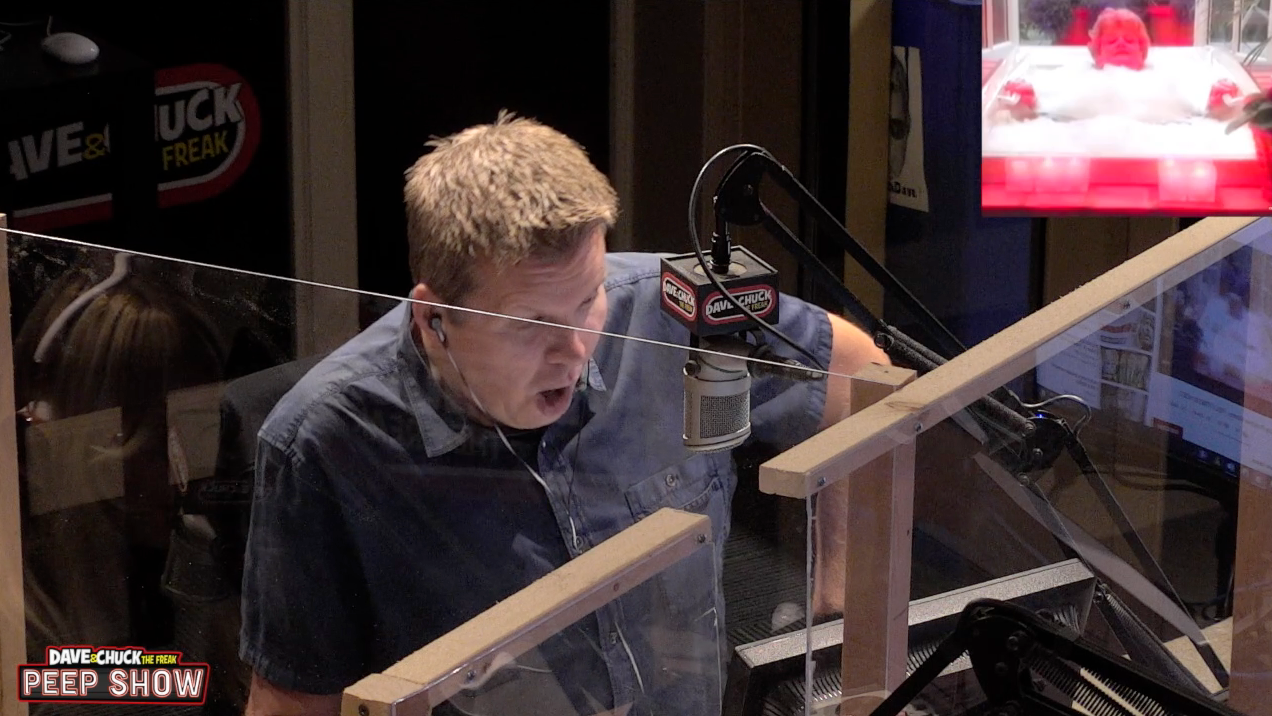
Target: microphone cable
x=722 y=230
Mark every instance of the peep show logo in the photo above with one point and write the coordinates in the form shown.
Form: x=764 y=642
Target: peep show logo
x=112 y=675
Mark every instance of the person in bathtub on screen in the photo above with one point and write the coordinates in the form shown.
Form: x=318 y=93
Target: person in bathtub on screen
x=443 y=459
x=1120 y=81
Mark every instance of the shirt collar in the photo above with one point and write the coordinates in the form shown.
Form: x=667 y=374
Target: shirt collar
x=443 y=425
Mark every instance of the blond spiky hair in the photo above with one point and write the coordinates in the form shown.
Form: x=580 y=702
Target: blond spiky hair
x=506 y=191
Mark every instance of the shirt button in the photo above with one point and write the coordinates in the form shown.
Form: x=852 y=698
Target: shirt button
x=671 y=479
x=613 y=638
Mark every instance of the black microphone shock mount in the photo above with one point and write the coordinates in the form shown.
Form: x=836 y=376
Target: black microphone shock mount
x=691 y=297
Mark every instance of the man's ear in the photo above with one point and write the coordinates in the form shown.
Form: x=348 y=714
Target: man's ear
x=420 y=312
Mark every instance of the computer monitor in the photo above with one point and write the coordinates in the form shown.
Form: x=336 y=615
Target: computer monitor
x=1195 y=361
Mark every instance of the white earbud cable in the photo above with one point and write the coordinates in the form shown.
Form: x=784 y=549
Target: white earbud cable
x=574 y=534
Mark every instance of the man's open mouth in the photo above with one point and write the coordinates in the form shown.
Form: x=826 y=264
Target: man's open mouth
x=555 y=397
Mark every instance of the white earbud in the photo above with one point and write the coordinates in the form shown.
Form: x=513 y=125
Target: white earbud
x=436 y=324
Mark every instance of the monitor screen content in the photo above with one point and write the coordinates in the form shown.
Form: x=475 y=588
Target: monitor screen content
x=1194 y=361
x=1091 y=108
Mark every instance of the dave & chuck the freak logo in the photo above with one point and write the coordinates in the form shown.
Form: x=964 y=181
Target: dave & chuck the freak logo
x=207 y=126
x=128 y=675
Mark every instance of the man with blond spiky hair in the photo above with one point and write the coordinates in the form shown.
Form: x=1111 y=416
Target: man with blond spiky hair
x=485 y=433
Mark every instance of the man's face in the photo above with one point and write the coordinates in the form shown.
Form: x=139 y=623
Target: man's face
x=1120 y=45
x=523 y=373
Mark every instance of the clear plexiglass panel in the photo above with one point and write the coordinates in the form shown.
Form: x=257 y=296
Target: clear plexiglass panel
x=258 y=473
x=642 y=653
x=1118 y=526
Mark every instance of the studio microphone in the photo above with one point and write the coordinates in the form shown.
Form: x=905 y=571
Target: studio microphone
x=717 y=396
x=718 y=389
x=717 y=375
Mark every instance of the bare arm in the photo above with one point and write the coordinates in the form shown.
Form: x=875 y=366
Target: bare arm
x=851 y=350
x=269 y=700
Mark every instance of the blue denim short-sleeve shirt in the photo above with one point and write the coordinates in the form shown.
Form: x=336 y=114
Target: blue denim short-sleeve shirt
x=382 y=519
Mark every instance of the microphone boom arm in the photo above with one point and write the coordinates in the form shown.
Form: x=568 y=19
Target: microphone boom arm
x=1039 y=437
x=737 y=202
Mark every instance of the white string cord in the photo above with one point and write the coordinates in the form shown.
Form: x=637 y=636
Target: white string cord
x=373 y=294
x=473 y=395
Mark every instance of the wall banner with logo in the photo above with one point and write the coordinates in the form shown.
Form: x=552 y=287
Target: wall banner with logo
x=207 y=129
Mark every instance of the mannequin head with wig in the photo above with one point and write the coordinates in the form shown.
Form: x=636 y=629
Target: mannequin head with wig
x=98 y=394
x=128 y=347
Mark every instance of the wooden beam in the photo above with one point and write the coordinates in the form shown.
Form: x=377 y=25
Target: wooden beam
x=512 y=627
x=1079 y=248
x=879 y=507
x=12 y=601
x=324 y=206
x=1252 y=597
x=865 y=217
x=384 y=695
x=622 y=158
x=1251 y=672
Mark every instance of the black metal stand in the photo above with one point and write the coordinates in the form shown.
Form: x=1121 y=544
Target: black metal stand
x=1021 y=660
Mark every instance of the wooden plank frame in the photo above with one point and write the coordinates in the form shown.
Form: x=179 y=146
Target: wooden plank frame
x=863 y=437
x=876 y=568
x=440 y=669
x=324 y=207
x=12 y=602
x=420 y=682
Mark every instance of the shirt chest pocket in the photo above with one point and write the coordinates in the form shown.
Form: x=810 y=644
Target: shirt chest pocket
x=692 y=486
x=682 y=598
